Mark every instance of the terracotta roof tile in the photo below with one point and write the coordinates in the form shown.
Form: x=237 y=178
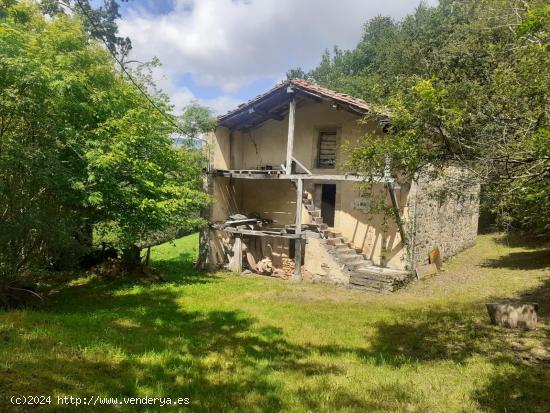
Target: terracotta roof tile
x=342 y=97
x=357 y=104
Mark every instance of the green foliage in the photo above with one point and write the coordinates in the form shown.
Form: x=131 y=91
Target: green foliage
x=465 y=83
x=80 y=146
x=195 y=120
x=99 y=22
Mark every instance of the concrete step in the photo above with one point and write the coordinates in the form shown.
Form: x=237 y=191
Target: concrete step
x=382 y=273
x=383 y=270
x=345 y=253
x=358 y=278
x=312 y=234
x=368 y=289
x=367 y=262
x=345 y=257
x=316 y=213
x=328 y=234
x=352 y=265
x=372 y=286
x=332 y=240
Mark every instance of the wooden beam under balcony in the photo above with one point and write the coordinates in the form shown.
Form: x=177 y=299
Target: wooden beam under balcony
x=282 y=175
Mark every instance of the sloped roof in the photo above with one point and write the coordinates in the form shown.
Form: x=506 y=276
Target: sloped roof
x=331 y=94
x=266 y=105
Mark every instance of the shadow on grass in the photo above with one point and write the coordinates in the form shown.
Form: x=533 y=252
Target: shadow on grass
x=95 y=341
x=181 y=270
x=119 y=339
x=522 y=240
x=460 y=334
x=524 y=260
x=145 y=343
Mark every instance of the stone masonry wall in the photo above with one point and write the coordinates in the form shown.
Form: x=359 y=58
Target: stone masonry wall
x=444 y=213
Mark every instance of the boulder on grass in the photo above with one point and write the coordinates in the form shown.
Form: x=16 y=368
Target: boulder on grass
x=522 y=316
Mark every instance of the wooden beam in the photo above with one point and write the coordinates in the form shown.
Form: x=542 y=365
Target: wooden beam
x=256 y=233
x=298 y=243
x=290 y=139
x=307 y=171
x=237 y=262
x=283 y=175
x=269 y=115
x=397 y=215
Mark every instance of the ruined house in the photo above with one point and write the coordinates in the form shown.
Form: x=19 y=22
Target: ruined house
x=284 y=203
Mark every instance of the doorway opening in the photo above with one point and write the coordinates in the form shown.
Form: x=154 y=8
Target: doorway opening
x=328 y=202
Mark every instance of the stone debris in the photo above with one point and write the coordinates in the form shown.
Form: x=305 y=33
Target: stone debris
x=264 y=266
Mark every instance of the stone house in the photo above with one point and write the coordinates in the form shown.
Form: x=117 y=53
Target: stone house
x=284 y=203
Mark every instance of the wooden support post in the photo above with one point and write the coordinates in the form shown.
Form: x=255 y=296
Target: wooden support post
x=290 y=139
x=393 y=197
x=298 y=242
x=237 y=256
x=397 y=215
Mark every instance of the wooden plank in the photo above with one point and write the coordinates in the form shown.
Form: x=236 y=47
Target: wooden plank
x=258 y=233
x=251 y=261
x=237 y=256
x=290 y=138
x=425 y=271
x=435 y=257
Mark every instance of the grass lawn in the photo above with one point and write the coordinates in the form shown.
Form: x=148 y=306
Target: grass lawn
x=251 y=343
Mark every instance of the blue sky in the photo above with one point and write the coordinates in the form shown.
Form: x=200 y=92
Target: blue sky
x=224 y=52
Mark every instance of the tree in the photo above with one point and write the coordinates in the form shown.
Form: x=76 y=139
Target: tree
x=465 y=82
x=81 y=148
x=99 y=22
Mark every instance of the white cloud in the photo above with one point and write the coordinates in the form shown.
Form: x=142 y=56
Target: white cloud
x=180 y=98
x=221 y=104
x=231 y=43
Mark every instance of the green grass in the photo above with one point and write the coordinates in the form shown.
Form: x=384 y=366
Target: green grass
x=251 y=343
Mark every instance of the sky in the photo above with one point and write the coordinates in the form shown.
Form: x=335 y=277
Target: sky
x=221 y=53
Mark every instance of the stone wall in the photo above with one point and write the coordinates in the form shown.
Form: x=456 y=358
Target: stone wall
x=444 y=213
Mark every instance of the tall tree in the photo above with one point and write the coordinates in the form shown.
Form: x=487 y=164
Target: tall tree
x=81 y=147
x=465 y=82
x=99 y=22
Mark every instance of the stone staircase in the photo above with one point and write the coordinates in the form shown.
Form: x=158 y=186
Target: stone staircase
x=317 y=223
x=363 y=274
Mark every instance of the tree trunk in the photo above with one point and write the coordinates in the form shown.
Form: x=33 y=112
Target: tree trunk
x=131 y=258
